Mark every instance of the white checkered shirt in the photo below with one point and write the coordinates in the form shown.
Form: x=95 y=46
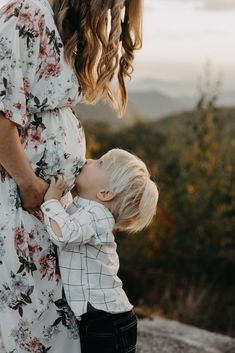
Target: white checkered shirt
x=87 y=254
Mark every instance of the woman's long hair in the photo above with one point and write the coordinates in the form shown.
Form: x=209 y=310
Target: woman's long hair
x=100 y=37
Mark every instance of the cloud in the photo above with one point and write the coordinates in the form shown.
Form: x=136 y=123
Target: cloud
x=214 y=5
x=218 y=5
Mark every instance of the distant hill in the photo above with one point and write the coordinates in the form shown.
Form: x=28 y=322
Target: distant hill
x=169 y=88
x=102 y=112
x=155 y=104
x=227 y=99
x=149 y=106
x=176 y=123
x=183 y=90
x=144 y=106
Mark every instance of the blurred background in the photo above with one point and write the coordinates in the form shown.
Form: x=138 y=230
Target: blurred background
x=181 y=121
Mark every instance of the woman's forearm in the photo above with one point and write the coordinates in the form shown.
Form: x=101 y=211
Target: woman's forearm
x=12 y=156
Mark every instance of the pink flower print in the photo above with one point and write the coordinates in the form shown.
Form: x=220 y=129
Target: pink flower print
x=26 y=244
x=33 y=248
x=34 y=346
x=35 y=135
x=25 y=19
x=8 y=114
x=48 y=267
x=8 y=10
x=50 y=61
x=22 y=109
x=41 y=25
x=32 y=22
x=43 y=47
x=19 y=106
x=50 y=64
x=21 y=240
x=24 y=118
x=39 y=215
x=27 y=86
x=33 y=251
x=52 y=67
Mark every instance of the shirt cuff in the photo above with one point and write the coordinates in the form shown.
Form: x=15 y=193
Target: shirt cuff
x=52 y=209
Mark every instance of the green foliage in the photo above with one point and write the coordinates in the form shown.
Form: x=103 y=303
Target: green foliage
x=184 y=264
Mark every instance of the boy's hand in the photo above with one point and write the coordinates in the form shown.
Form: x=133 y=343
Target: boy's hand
x=56 y=188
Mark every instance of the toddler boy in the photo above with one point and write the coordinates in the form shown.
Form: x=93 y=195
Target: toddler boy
x=115 y=192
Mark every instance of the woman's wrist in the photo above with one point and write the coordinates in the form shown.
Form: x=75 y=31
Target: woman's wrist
x=27 y=183
x=32 y=192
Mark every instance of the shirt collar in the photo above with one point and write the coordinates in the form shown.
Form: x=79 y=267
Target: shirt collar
x=85 y=203
x=80 y=201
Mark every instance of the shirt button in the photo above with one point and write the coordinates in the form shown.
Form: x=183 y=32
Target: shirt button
x=47 y=209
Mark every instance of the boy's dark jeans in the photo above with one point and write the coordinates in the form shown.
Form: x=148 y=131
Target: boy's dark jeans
x=102 y=332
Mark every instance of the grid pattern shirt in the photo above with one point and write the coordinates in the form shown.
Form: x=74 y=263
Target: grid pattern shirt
x=87 y=254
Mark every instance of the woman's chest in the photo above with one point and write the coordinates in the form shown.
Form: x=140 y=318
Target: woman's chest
x=55 y=84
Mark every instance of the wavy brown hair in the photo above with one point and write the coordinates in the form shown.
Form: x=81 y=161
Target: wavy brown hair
x=100 y=37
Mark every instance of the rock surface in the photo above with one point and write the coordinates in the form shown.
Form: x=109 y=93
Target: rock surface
x=165 y=336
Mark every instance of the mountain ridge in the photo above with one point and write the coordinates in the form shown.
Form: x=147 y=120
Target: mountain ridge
x=146 y=106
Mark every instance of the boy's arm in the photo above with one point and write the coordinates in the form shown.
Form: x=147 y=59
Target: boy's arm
x=64 y=228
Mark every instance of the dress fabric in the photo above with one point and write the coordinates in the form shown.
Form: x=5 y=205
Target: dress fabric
x=37 y=90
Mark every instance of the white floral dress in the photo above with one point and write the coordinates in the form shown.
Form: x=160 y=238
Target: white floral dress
x=37 y=90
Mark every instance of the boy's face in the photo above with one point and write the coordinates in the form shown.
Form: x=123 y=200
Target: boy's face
x=93 y=178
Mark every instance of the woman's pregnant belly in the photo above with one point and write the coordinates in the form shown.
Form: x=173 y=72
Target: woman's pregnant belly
x=54 y=143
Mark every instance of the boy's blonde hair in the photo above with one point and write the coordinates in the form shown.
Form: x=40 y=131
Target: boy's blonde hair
x=136 y=195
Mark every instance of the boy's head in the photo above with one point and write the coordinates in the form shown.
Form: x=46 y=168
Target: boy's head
x=121 y=182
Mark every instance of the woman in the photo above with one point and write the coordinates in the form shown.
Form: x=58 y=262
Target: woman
x=51 y=54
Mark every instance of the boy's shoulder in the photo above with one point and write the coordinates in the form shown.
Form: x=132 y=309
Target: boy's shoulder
x=98 y=212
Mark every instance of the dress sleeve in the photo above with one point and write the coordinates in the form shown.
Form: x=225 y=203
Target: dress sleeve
x=22 y=25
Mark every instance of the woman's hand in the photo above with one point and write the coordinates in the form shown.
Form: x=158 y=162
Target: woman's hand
x=56 y=188
x=32 y=195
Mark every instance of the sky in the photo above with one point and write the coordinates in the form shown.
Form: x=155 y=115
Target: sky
x=180 y=35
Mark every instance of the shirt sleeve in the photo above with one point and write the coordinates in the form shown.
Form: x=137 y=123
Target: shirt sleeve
x=22 y=25
x=76 y=228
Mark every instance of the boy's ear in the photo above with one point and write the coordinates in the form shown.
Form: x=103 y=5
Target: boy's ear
x=105 y=195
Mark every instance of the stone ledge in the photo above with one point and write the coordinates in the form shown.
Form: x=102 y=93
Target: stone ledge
x=160 y=335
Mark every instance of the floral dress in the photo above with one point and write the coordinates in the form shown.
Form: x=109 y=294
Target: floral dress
x=37 y=90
